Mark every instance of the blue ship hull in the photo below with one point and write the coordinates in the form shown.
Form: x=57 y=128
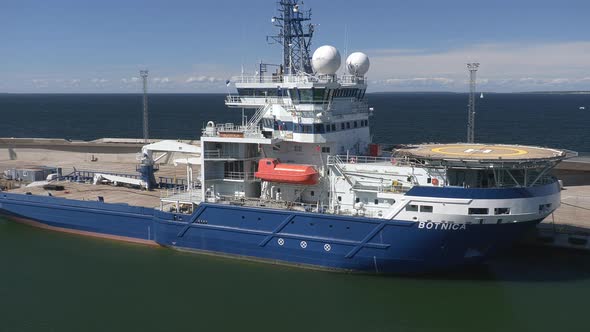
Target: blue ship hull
x=299 y=238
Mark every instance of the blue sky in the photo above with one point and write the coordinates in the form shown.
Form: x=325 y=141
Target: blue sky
x=194 y=46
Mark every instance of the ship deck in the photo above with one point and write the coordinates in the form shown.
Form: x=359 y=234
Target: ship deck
x=91 y=192
x=481 y=152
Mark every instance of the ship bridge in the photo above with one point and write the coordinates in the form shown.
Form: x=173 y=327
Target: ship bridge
x=301 y=89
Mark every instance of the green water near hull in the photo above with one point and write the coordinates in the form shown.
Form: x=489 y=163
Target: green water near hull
x=52 y=281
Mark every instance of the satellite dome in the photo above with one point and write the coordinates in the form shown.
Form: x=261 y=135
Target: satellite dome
x=358 y=64
x=326 y=60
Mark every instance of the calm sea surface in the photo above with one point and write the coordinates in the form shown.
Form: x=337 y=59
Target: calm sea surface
x=58 y=282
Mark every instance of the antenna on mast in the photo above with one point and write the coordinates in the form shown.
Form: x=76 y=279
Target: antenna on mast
x=295 y=36
x=472 y=67
x=144 y=77
x=345 y=44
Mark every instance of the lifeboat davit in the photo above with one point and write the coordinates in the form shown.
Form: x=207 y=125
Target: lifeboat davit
x=272 y=170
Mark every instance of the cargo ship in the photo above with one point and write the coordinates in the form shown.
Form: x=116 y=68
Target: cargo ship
x=301 y=183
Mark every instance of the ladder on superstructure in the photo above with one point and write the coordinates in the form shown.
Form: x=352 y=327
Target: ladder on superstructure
x=256 y=117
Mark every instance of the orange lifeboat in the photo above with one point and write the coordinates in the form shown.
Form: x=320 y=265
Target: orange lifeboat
x=272 y=170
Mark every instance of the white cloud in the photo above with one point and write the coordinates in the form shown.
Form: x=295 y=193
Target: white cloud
x=203 y=79
x=161 y=80
x=130 y=80
x=508 y=66
x=417 y=81
x=55 y=83
x=40 y=83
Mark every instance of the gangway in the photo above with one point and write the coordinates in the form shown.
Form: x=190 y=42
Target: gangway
x=116 y=180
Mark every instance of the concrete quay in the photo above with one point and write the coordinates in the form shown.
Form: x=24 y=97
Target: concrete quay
x=569 y=225
x=115 y=155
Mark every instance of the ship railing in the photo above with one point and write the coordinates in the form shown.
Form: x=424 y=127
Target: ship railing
x=86 y=175
x=233 y=99
x=286 y=205
x=219 y=154
x=258 y=79
x=239 y=176
x=168 y=182
x=354 y=159
x=277 y=79
x=182 y=194
x=256 y=101
x=299 y=78
x=368 y=213
x=351 y=79
x=266 y=203
x=231 y=128
x=391 y=187
x=393 y=160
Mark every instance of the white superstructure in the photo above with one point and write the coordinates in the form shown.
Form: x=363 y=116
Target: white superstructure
x=301 y=112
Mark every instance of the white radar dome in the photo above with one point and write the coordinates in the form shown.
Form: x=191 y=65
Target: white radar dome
x=357 y=64
x=326 y=60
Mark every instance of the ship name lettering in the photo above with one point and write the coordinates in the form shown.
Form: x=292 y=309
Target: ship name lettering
x=441 y=225
x=201 y=221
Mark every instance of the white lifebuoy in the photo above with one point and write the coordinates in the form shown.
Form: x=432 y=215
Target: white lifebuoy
x=353 y=160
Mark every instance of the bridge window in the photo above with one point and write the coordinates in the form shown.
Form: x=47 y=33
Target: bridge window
x=412 y=208
x=355 y=124
x=318 y=128
x=318 y=95
x=306 y=95
x=333 y=127
x=348 y=125
x=426 y=208
x=297 y=148
x=502 y=211
x=362 y=94
x=302 y=128
x=325 y=149
x=328 y=127
x=342 y=126
x=294 y=93
x=478 y=211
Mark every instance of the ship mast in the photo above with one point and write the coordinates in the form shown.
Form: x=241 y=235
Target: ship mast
x=295 y=35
